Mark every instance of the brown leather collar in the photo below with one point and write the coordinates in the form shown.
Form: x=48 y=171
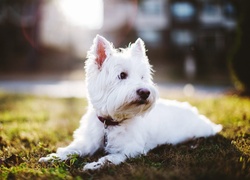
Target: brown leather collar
x=108 y=121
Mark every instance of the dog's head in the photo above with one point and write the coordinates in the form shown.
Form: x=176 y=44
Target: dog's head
x=119 y=81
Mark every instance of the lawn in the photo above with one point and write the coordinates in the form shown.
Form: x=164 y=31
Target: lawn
x=32 y=127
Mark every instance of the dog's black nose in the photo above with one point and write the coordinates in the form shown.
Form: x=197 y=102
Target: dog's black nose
x=143 y=93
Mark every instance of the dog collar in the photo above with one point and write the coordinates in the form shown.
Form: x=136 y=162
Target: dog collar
x=108 y=121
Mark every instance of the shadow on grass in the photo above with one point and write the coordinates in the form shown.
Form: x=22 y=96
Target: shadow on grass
x=204 y=158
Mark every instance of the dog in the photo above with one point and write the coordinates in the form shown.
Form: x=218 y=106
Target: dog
x=125 y=116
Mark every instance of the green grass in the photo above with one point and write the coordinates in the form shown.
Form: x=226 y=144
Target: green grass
x=32 y=127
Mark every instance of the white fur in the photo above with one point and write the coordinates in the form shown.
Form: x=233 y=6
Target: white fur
x=142 y=126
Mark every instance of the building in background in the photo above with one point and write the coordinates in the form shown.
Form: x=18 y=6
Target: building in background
x=195 y=33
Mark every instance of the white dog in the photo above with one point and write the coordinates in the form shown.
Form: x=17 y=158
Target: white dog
x=125 y=116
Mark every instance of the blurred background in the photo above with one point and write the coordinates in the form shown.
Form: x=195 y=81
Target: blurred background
x=188 y=41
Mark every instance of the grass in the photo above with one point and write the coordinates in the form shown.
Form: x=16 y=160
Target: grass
x=32 y=127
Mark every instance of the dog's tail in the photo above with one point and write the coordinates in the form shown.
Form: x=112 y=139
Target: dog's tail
x=214 y=128
x=217 y=128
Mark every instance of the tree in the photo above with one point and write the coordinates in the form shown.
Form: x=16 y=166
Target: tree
x=240 y=59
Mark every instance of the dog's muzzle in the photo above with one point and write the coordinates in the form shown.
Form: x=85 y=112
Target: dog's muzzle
x=143 y=95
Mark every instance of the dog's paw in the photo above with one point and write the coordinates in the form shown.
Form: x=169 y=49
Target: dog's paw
x=50 y=157
x=92 y=166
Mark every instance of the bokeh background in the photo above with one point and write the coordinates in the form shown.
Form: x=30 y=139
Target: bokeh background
x=189 y=41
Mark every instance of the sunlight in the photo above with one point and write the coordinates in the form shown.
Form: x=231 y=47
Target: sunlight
x=85 y=13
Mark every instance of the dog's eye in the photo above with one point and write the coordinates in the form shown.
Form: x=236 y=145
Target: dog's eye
x=123 y=75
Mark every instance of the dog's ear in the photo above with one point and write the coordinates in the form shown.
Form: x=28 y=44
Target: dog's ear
x=100 y=50
x=138 y=48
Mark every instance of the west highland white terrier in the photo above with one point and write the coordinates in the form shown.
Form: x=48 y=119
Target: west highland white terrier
x=125 y=117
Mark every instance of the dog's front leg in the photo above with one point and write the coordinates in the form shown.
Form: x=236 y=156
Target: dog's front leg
x=88 y=138
x=63 y=153
x=111 y=158
x=77 y=147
